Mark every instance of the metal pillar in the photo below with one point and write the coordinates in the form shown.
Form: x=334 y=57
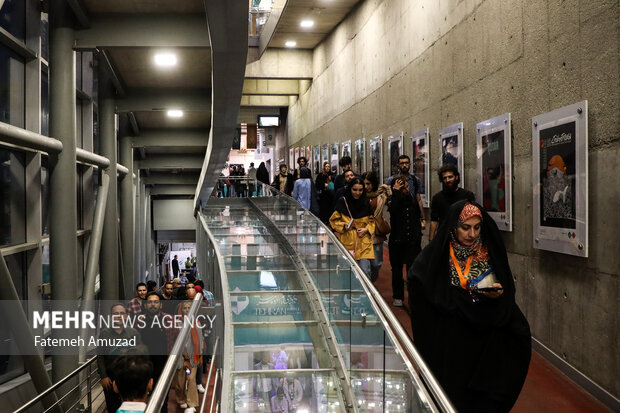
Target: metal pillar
x=108 y=265
x=127 y=207
x=63 y=198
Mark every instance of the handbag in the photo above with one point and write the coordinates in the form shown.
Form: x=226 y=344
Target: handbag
x=352 y=252
x=382 y=227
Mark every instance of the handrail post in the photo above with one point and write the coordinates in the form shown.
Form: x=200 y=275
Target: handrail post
x=92 y=263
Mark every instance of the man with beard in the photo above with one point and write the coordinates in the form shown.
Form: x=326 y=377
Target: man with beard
x=158 y=334
x=340 y=181
x=348 y=175
x=413 y=183
x=134 y=307
x=440 y=204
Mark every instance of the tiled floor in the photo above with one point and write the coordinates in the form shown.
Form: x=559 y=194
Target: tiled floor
x=546 y=389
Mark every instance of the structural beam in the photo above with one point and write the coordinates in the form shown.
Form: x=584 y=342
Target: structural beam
x=79 y=12
x=105 y=60
x=127 y=213
x=173 y=190
x=166 y=178
x=271 y=87
x=63 y=203
x=171 y=162
x=281 y=64
x=228 y=31
x=157 y=99
x=248 y=100
x=277 y=11
x=140 y=30
x=171 y=137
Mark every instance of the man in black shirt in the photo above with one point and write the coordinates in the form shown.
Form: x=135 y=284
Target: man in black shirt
x=440 y=204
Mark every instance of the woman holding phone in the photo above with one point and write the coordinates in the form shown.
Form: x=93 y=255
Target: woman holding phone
x=465 y=321
x=354 y=223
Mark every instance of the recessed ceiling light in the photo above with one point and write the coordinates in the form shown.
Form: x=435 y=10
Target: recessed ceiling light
x=175 y=113
x=307 y=23
x=290 y=43
x=165 y=59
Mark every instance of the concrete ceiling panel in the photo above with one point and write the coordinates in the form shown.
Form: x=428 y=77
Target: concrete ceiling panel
x=160 y=120
x=144 y=6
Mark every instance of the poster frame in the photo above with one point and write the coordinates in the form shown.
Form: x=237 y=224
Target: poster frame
x=376 y=141
x=297 y=155
x=291 y=157
x=449 y=132
x=316 y=158
x=334 y=157
x=324 y=154
x=359 y=145
x=416 y=137
x=563 y=240
x=344 y=146
x=484 y=128
x=396 y=139
x=309 y=155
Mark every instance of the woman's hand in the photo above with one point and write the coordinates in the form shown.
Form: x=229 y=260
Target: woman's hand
x=361 y=232
x=398 y=185
x=493 y=294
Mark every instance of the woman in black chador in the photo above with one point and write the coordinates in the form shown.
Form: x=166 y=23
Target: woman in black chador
x=465 y=321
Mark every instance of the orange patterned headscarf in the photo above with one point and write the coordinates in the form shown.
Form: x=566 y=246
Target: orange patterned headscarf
x=469 y=210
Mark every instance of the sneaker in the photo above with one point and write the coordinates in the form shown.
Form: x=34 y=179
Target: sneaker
x=200 y=388
x=190 y=410
x=398 y=302
x=183 y=405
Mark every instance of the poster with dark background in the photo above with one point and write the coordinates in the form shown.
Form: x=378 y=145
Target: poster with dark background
x=420 y=156
x=394 y=148
x=375 y=157
x=493 y=172
x=450 y=150
x=557 y=176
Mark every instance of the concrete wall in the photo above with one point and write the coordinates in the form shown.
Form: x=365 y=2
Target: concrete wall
x=403 y=65
x=173 y=214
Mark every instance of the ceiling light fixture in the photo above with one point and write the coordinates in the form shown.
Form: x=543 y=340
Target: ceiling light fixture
x=175 y=113
x=165 y=59
x=290 y=43
x=307 y=23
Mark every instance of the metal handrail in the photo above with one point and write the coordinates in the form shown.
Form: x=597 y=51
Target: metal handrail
x=91 y=158
x=55 y=386
x=204 y=398
x=400 y=333
x=165 y=379
x=217 y=374
x=31 y=140
x=228 y=337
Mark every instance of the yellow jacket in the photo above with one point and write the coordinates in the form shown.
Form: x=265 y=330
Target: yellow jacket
x=348 y=237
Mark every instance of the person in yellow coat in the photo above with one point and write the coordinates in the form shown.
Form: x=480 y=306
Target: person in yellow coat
x=354 y=223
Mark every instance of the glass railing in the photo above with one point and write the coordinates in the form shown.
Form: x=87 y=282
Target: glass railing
x=307 y=329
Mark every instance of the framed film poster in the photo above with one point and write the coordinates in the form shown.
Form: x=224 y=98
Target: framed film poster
x=376 y=157
x=494 y=166
x=324 y=154
x=346 y=149
x=316 y=158
x=451 y=147
x=291 y=158
x=395 y=149
x=421 y=163
x=359 y=156
x=309 y=156
x=334 y=157
x=560 y=177
x=297 y=155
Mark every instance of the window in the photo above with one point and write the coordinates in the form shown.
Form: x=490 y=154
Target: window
x=45 y=104
x=11 y=87
x=80 y=195
x=12 y=365
x=45 y=195
x=13 y=18
x=45 y=36
x=12 y=197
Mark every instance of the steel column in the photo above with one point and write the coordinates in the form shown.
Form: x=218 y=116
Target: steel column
x=109 y=245
x=63 y=197
x=127 y=208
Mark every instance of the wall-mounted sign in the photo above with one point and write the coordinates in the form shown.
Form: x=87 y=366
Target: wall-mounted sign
x=560 y=177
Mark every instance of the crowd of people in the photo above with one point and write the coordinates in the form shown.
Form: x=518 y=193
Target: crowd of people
x=461 y=290
x=129 y=373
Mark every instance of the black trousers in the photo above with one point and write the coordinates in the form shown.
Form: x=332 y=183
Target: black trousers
x=401 y=253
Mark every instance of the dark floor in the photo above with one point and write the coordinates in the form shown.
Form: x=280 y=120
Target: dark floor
x=546 y=389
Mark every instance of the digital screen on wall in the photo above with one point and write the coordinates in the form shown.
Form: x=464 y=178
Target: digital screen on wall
x=266 y=121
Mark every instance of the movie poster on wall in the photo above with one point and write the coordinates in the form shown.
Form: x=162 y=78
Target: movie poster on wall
x=395 y=149
x=494 y=165
x=316 y=154
x=451 y=148
x=359 y=156
x=346 y=149
x=334 y=157
x=421 y=163
x=297 y=155
x=309 y=156
x=291 y=158
x=560 y=175
x=324 y=154
x=376 y=157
